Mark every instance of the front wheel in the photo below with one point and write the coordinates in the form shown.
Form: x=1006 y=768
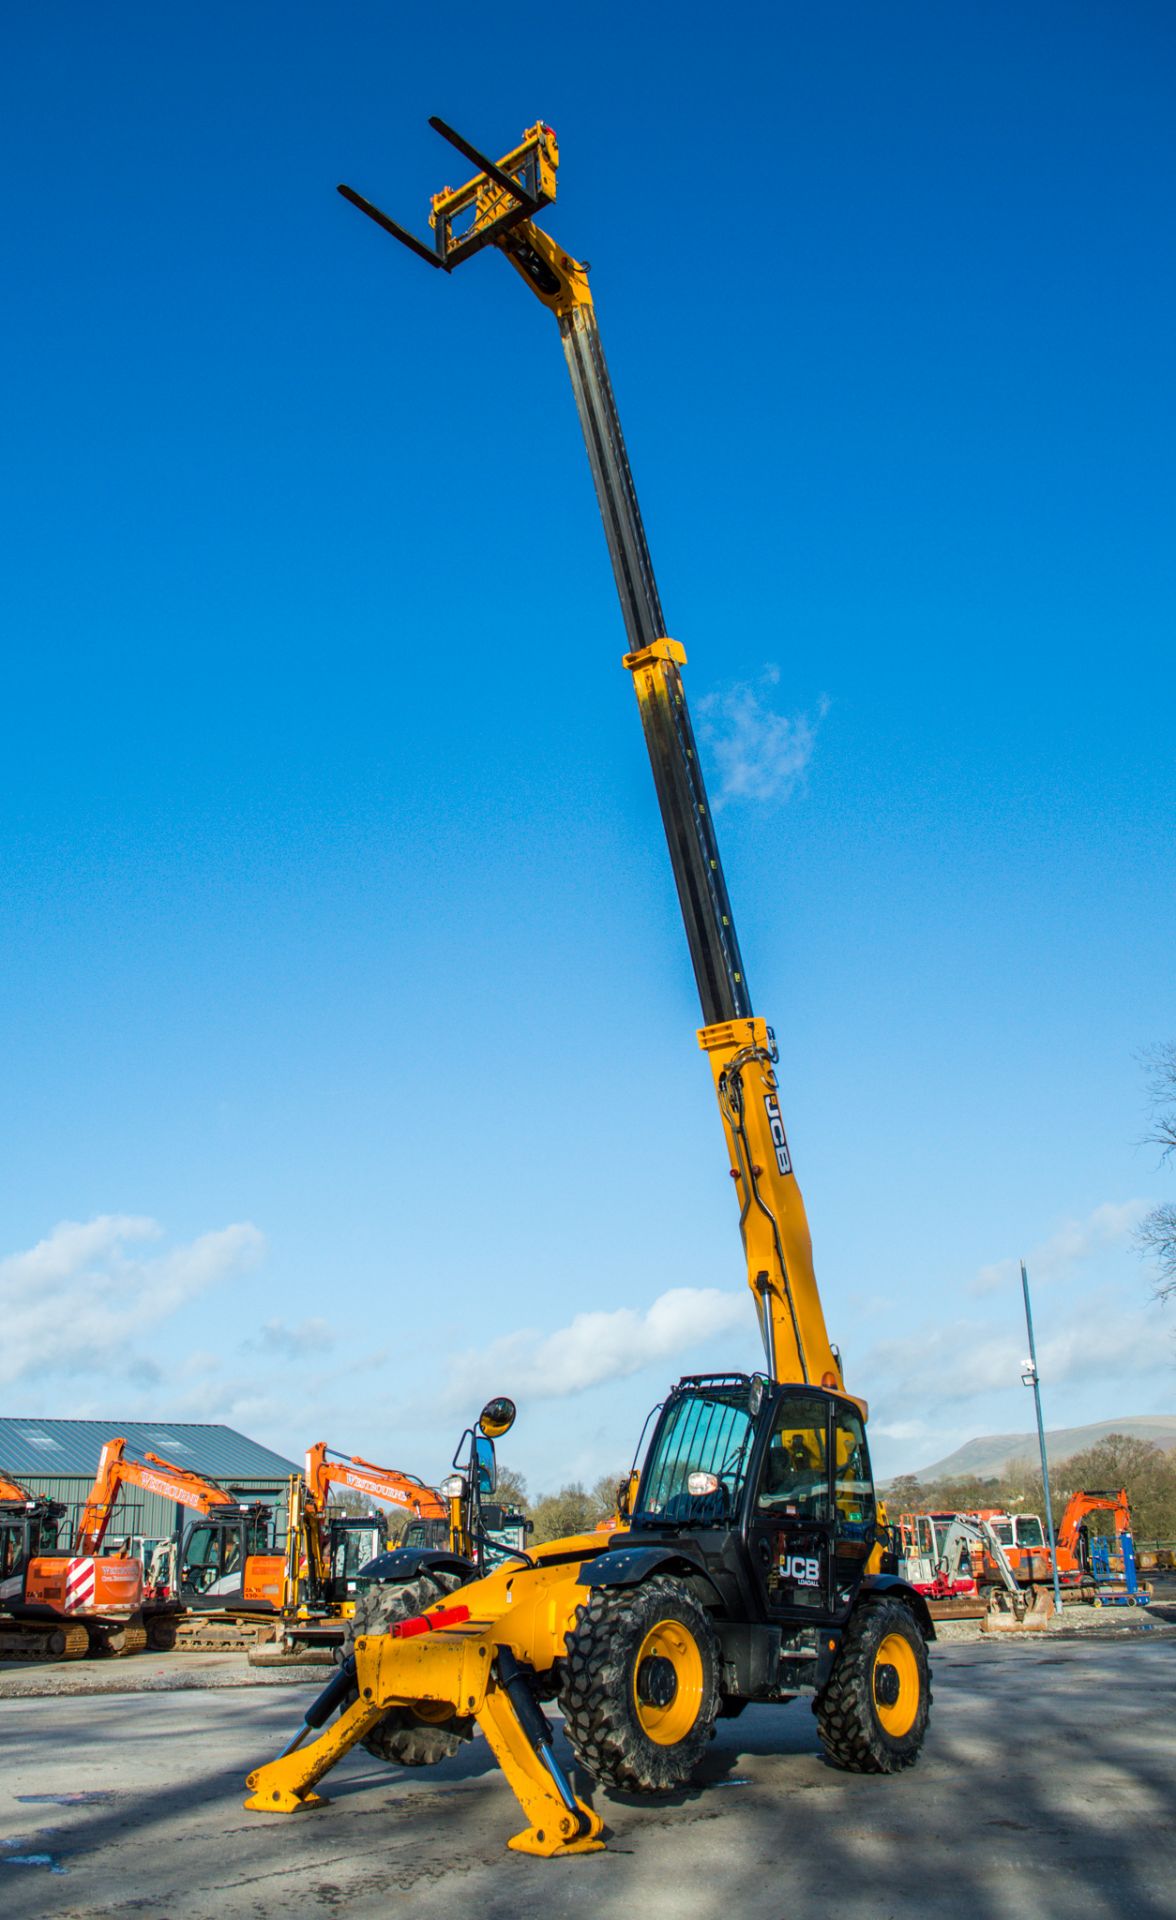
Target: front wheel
x=640 y=1685
x=872 y=1715
x=406 y=1737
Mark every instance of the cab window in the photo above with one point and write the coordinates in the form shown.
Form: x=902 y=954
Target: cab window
x=202 y=1556
x=12 y=1550
x=261 y=1532
x=707 y=1433
x=794 y=1481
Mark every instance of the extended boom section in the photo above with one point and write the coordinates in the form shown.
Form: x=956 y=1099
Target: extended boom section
x=495 y=209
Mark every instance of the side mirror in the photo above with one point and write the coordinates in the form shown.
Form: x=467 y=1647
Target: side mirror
x=484 y=1463
x=496 y=1418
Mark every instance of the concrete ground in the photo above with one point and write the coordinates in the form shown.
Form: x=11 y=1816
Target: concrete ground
x=1046 y=1789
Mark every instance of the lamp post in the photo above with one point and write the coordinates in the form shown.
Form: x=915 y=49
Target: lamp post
x=1031 y=1378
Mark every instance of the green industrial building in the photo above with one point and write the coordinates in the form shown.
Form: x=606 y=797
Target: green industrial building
x=60 y=1458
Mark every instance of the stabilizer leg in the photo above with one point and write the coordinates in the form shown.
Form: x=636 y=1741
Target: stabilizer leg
x=558 y=1820
x=287 y=1785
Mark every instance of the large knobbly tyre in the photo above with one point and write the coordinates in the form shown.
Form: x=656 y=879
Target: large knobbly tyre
x=640 y=1685
x=873 y=1714
x=402 y=1737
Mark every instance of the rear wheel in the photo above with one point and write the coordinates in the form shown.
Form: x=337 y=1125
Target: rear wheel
x=873 y=1714
x=640 y=1685
x=404 y=1737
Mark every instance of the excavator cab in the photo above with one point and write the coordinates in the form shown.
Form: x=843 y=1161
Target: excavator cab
x=27 y=1529
x=228 y=1560
x=426 y=1533
x=352 y=1541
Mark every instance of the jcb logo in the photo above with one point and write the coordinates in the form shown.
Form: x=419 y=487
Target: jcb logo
x=806 y=1573
x=779 y=1137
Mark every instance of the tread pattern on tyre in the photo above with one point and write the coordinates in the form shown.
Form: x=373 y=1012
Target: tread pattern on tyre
x=847 y=1720
x=400 y=1738
x=600 y=1713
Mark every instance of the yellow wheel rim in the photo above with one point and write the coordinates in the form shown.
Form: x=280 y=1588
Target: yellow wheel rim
x=667 y=1683
x=896 y=1657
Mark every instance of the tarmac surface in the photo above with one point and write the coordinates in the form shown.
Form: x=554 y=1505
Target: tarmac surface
x=1047 y=1788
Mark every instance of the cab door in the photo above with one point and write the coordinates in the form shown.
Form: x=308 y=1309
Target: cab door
x=855 y=1514
x=790 y=1532
x=212 y=1565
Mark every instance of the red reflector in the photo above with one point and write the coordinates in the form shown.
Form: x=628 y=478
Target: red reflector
x=407 y=1629
x=425 y=1622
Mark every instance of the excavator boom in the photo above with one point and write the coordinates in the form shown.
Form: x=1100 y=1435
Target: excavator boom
x=115 y=1471
x=362 y=1476
x=1089 y=1501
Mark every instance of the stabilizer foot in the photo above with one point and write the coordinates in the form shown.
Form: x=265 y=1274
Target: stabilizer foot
x=561 y=1838
x=281 y=1799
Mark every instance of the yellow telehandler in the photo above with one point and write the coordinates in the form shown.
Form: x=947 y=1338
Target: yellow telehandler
x=750 y=1568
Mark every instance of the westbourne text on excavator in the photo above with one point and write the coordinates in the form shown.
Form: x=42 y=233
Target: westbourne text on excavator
x=751 y=1566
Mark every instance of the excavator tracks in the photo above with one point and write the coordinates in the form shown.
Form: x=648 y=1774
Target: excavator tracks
x=31 y=1640
x=204 y=1633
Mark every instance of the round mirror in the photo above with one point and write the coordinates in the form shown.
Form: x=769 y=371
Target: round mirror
x=496 y=1418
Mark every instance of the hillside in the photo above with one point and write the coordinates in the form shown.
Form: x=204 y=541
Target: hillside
x=993 y=1453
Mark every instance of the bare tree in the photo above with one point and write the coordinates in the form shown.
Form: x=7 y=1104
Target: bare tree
x=511 y=1490
x=1156 y=1234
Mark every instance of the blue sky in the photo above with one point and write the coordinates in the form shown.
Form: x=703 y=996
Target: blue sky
x=346 y=1012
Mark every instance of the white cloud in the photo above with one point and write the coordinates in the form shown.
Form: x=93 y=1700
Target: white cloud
x=280 y=1341
x=1098 y=1336
x=759 y=754
x=1109 y=1225
x=76 y=1303
x=596 y=1347
x=898 y=1429
x=1109 y=1335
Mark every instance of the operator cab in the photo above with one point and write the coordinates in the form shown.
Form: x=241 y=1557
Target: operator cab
x=353 y=1541
x=27 y=1531
x=215 y=1556
x=772 y=1485
x=426 y=1533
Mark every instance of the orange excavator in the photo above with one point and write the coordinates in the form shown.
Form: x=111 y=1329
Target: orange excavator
x=226 y=1559
x=332 y=1558
x=326 y=1550
x=325 y=1470
x=227 y=1563
x=60 y=1604
x=1083 y=1557
x=441 y=1519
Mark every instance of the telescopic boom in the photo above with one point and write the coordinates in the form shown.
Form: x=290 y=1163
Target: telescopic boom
x=496 y=208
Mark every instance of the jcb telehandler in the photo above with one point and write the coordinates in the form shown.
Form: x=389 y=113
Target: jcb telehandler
x=750 y=1568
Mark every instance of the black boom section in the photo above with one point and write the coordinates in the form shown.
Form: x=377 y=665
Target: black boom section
x=669 y=735
x=694 y=849
x=613 y=478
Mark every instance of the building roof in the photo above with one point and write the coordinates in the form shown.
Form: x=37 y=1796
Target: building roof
x=70 y=1448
